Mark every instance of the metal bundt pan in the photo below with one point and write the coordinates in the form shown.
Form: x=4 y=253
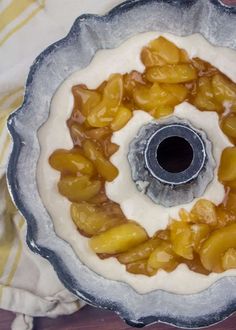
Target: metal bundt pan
x=88 y=34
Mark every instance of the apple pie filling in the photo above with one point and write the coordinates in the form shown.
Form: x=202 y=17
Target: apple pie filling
x=202 y=238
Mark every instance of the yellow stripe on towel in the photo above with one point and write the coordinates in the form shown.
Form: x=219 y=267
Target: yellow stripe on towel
x=24 y=21
x=5 y=149
x=7 y=240
x=18 y=254
x=7 y=96
x=13 y=270
x=14 y=10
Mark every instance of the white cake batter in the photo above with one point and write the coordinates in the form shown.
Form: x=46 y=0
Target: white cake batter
x=54 y=134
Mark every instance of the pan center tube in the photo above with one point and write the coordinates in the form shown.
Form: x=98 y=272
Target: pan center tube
x=171 y=161
x=175 y=154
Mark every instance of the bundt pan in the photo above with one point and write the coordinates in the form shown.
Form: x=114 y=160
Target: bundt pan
x=89 y=33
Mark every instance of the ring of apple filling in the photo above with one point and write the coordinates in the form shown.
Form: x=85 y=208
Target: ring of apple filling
x=202 y=238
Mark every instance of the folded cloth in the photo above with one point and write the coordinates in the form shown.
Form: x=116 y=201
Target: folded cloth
x=28 y=283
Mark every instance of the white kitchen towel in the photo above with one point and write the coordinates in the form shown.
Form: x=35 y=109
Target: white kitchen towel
x=28 y=284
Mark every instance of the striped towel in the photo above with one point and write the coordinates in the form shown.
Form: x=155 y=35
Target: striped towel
x=26 y=28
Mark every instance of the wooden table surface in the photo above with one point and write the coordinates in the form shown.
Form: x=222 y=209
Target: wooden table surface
x=90 y=318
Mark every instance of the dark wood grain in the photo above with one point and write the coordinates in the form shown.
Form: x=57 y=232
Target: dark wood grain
x=90 y=318
x=6 y=319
